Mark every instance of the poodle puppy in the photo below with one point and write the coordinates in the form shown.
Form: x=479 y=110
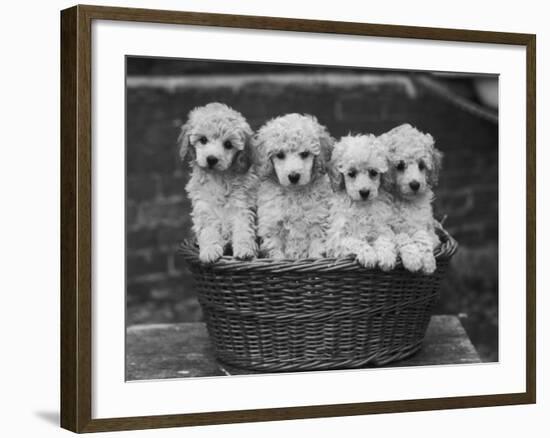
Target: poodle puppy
x=360 y=211
x=414 y=169
x=220 y=188
x=292 y=200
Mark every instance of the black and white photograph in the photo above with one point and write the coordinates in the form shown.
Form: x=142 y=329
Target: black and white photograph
x=270 y=219
x=285 y=218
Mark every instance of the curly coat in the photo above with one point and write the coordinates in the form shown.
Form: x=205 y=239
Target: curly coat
x=361 y=210
x=292 y=154
x=414 y=169
x=220 y=188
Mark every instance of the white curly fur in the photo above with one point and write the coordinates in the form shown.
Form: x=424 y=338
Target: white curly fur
x=414 y=168
x=220 y=189
x=293 y=195
x=360 y=211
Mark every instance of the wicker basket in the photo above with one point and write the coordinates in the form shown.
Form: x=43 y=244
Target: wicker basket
x=314 y=314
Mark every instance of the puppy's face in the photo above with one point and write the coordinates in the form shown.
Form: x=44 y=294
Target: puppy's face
x=362 y=182
x=414 y=161
x=215 y=149
x=293 y=167
x=293 y=150
x=410 y=176
x=358 y=165
x=218 y=136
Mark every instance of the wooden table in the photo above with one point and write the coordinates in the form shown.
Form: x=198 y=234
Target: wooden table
x=162 y=351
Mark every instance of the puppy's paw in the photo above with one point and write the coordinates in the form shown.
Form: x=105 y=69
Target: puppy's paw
x=429 y=264
x=210 y=253
x=367 y=258
x=245 y=252
x=316 y=252
x=276 y=254
x=386 y=260
x=411 y=261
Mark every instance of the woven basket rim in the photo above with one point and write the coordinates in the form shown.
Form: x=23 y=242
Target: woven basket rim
x=189 y=251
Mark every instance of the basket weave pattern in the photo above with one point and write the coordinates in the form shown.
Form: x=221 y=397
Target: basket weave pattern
x=314 y=314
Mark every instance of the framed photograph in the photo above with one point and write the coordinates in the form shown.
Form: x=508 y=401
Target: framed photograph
x=325 y=218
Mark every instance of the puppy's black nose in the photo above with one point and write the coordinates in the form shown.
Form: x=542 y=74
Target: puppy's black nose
x=364 y=193
x=414 y=185
x=294 y=177
x=211 y=160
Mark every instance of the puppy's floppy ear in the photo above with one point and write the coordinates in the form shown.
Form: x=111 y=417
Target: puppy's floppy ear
x=326 y=143
x=436 y=159
x=184 y=140
x=433 y=175
x=387 y=180
x=337 y=181
x=386 y=141
x=243 y=158
x=260 y=156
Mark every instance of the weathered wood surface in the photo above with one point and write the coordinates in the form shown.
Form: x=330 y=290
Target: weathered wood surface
x=162 y=351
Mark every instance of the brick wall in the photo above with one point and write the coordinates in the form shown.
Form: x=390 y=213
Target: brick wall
x=158 y=285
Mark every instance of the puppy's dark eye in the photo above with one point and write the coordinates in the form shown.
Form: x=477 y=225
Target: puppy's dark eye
x=373 y=173
x=203 y=140
x=421 y=165
x=304 y=154
x=352 y=173
x=227 y=144
x=400 y=166
x=280 y=155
